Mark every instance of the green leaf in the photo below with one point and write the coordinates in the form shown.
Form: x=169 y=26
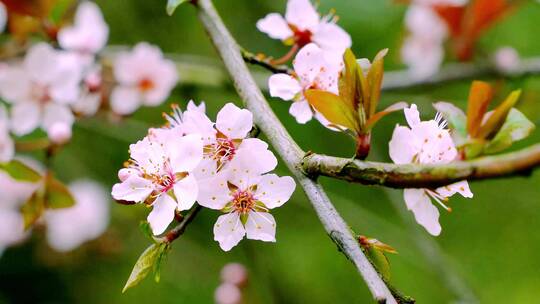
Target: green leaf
x=474 y=148
x=146 y=229
x=374 y=79
x=348 y=82
x=333 y=108
x=33 y=208
x=173 y=4
x=516 y=127
x=20 y=172
x=378 y=258
x=57 y=195
x=145 y=264
x=455 y=117
x=497 y=117
x=161 y=259
x=480 y=96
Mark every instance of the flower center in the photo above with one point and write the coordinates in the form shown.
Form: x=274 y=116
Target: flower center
x=146 y=85
x=243 y=201
x=222 y=151
x=301 y=37
x=165 y=182
x=40 y=93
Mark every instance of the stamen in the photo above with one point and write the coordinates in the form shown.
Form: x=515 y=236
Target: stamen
x=439 y=198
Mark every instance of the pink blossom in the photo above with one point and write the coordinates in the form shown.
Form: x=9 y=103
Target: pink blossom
x=303 y=24
x=426 y=142
x=144 y=78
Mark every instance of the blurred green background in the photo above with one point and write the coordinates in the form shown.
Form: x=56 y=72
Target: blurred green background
x=491 y=241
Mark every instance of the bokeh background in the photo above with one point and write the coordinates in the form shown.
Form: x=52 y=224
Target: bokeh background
x=491 y=242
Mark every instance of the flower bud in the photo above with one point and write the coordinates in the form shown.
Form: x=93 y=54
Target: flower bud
x=228 y=294
x=234 y=273
x=59 y=133
x=506 y=59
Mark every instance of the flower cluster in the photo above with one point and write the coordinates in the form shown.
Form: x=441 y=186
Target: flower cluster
x=67 y=228
x=193 y=159
x=50 y=87
x=423 y=48
x=426 y=142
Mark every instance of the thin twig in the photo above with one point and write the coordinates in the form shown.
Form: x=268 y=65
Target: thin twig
x=288 y=149
x=179 y=229
x=265 y=63
x=460 y=71
x=521 y=162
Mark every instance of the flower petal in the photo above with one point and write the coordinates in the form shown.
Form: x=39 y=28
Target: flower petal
x=186 y=191
x=275 y=26
x=25 y=117
x=274 y=191
x=261 y=226
x=162 y=213
x=214 y=192
x=424 y=212
x=229 y=231
x=234 y=122
x=125 y=100
x=262 y=159
x=301 y=110
x=41 y=62
x=330 y=37
x=54 y=113
x=461 y=187
x=302 y=14
x=133 y=189
x=15 y=84
x=185 y=152
x=412 y=115
x=283 y=86
x=403 y=146
x=308 y=63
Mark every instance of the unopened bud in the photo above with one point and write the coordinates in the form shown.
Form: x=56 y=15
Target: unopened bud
x=234 y=273
x=124 y=173
x=59 y=133
x=507 y=59
x=227 y=293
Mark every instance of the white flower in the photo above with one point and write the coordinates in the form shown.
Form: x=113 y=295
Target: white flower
x=426 y=142
x=303 y=24
x=246 y=197
x=68 y=228
x=89 y=32
x=312 y=70
x=144 y=78
x=507 y=59
x=7 y=147
x=423 y=50
x=13 y=194
x=3 y=17
x=41 y=89
x=160 y=174
x=225 y=140
x=90 y=98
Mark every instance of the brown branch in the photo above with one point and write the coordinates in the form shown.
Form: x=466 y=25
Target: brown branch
x=179 y=229
x=521 y=162
x=265 y=63
x=287 y=148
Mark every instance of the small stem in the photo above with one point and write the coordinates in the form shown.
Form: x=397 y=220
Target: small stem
x=177 y=231
x=265 y=63
x=32 y=145
x=363 y=145
x=286 y=57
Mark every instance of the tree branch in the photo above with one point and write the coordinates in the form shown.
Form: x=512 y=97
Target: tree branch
x=179 y=229
x=288 y=149
x=459 y=71
x=422 y=176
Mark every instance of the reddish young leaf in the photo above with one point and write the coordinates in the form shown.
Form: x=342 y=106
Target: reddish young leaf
x=480 y=96
x=333 y=108
x=348 y=82
x=375 y=78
